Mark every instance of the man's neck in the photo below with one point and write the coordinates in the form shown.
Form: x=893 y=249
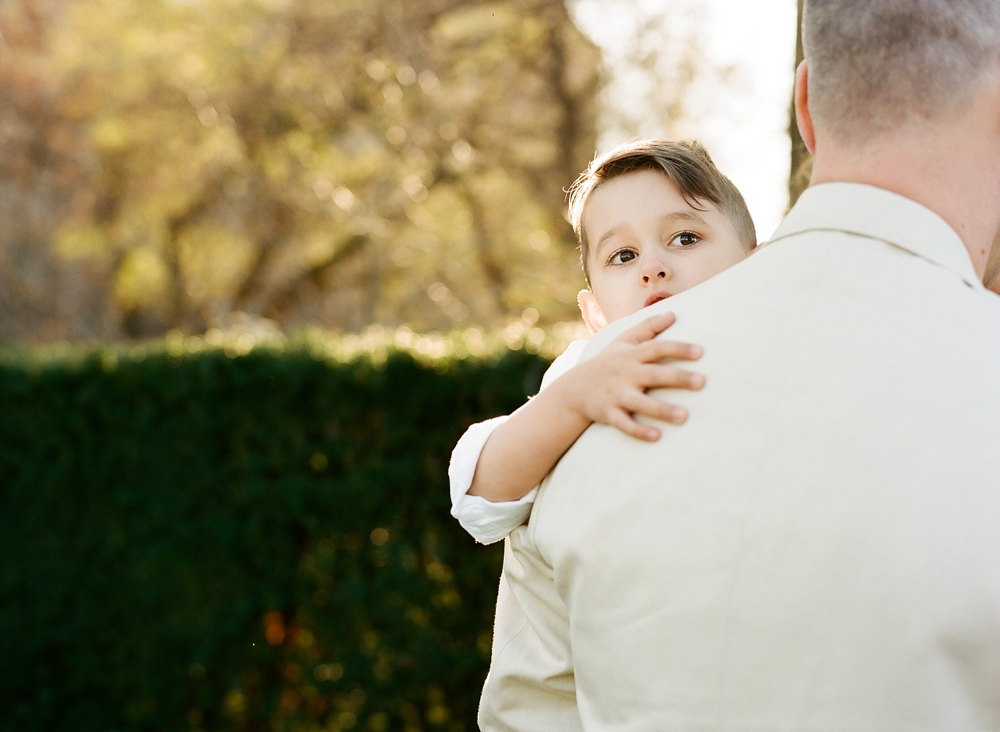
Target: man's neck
x=948 y=171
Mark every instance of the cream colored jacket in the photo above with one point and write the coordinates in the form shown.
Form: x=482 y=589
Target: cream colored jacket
x=818 y=548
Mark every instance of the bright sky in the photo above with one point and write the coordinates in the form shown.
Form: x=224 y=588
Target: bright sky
x=745 y=125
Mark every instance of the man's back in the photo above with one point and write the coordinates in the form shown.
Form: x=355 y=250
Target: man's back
x=818 y=548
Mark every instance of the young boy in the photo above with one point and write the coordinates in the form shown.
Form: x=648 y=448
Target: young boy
x=654 y=218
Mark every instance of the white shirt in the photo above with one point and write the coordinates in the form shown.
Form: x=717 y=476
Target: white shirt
x=818 y=548
x=485 y=520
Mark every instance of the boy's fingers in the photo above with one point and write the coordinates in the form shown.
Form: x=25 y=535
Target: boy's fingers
x=651 y=407
x=647 y=329
x=621 y=420
x=657 y=350
x=656 y=376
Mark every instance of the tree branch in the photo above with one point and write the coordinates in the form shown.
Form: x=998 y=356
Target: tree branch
x=283 y=298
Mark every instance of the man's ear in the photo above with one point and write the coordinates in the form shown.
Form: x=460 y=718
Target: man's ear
x=593 y=316
x=802 y=114
x=991 y=277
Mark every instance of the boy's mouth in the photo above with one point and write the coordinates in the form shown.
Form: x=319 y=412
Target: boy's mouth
x=656 y=297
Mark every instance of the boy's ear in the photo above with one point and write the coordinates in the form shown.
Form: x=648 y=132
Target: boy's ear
x=593 y=316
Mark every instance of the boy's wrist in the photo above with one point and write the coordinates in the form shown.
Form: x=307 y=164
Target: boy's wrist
x=568 y=396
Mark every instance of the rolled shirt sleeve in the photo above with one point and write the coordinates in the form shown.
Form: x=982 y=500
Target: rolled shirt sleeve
x=486 y=521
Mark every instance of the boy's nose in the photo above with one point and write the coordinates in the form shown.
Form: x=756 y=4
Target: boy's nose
x=655 y=270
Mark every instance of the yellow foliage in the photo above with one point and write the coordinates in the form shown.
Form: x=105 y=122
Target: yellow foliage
x=320 y=162
x=78 y=242
x=141 y=280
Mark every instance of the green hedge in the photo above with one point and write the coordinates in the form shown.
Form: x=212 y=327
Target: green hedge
x=221 y=540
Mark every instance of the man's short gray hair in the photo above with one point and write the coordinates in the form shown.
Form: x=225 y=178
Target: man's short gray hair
x=877 y=65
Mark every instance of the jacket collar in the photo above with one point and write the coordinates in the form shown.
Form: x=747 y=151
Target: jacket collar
x=879 y=214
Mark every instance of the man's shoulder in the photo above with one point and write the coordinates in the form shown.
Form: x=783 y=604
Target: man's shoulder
x=821 y=270
x=564 y=362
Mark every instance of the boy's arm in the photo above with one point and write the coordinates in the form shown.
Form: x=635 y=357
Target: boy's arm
x=609 y=388
x=486 y=521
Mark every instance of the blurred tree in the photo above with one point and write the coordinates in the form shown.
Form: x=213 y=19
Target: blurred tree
x=659 y=79
x=341 y=162
x=43 y=162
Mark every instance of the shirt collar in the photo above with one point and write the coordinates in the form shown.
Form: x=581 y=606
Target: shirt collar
x=876 y=213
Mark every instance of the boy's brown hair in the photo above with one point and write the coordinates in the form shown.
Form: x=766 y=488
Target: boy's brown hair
x=687 y=165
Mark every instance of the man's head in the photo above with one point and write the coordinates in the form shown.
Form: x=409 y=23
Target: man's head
x=904 y=95
x=878 y=65
x=654 y=218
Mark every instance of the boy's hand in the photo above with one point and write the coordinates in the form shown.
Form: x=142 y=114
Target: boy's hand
x=611 y=387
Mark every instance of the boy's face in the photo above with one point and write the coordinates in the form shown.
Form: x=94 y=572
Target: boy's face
x=647 y=243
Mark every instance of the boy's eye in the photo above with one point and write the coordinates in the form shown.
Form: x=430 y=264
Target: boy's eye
x=622 y=257
x=685 y=239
